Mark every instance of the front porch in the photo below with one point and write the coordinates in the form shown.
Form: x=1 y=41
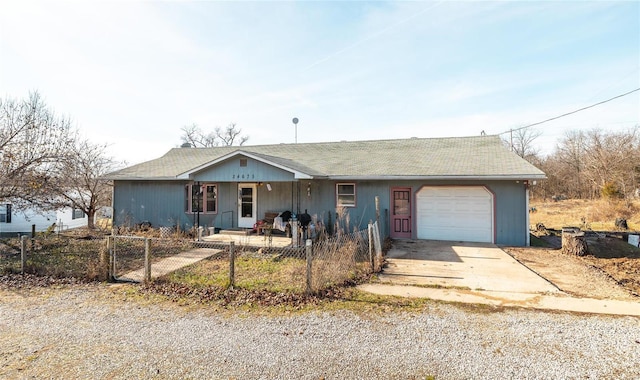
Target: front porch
x=250 y=239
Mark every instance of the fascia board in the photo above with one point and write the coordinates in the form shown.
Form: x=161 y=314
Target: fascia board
x=439 y=178
x=296 y=174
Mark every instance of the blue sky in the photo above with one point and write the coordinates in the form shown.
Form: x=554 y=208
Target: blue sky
x=131 y=74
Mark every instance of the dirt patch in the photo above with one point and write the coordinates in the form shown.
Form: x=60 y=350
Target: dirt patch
x=618 y=259
x=611 y=270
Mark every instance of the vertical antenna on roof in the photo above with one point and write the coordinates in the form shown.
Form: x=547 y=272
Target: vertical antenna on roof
x=295 y=122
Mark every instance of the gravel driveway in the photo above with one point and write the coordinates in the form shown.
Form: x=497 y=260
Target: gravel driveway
x=84 y=331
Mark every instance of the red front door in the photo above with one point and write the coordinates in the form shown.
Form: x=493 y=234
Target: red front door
x=401 y=212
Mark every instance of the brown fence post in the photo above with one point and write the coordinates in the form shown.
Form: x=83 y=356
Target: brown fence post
x=111 y=247
x=232 y=264
x=104 y=261
x=309 y=254
x=147 y=260
x=23 y=253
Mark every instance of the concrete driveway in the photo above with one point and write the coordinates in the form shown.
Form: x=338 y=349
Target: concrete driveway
x=477 y=266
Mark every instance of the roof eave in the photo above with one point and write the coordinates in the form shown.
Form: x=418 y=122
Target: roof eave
x=144 y=179
x=516 y=177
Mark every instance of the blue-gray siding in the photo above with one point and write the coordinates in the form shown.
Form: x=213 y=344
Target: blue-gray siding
x=231 y=171
x=162 y=203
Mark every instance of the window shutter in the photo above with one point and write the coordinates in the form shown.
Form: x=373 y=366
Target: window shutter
x=8 y=213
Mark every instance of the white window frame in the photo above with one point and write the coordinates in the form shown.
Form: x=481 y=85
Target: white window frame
x=338 y=194
x=204 y=187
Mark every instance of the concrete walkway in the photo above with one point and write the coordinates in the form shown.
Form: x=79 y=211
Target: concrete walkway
x=170 y=264
x=559 y=302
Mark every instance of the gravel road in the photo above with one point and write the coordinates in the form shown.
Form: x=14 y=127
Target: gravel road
x=83 y=331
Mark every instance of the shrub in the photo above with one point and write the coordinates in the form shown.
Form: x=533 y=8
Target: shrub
x=610 y=191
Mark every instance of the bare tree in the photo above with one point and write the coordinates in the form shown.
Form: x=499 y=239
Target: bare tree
x=32 y=140
x=571 y=152
x=193 y=135
x=77 y=181
x=522 y=141
x=584 y=164
x=611 y=160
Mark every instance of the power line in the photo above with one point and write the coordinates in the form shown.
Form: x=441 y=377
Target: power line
x=570 y=113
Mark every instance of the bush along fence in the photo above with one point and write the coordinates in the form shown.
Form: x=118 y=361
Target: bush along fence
x=317 y=265
x=305 y=268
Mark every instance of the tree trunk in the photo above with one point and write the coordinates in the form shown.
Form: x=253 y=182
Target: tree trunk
x=90 y=216
x=574 y=242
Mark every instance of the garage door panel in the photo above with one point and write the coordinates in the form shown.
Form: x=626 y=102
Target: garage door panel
x=455 y=213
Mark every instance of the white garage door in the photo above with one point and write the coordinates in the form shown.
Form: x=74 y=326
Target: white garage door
x=463 y=213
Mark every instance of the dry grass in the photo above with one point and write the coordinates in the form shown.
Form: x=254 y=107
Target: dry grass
x=597 y=215
x=54 y=256
x=268 y=273
x=337 y=263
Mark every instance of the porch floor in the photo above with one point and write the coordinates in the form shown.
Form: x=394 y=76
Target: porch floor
x=252 y=240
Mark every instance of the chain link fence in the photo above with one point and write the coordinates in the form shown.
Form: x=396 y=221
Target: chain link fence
x=318 y=264
x=55 y=255
x=312 y=266
x=137 y=258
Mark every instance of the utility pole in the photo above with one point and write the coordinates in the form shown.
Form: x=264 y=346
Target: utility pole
x=511 y=138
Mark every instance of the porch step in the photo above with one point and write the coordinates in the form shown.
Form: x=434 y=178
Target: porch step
x=236 y=231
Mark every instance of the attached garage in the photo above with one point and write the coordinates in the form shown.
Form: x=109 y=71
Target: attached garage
x=464 y=213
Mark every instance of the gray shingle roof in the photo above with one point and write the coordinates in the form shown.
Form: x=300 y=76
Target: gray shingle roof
x=453 y=157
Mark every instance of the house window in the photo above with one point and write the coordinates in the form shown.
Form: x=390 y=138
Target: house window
x=5 y=213
x=346 y=195
x=243 y=162
x=202 y=198
x=77 y=214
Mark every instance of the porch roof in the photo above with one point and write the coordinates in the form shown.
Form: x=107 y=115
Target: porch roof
x=478 y=157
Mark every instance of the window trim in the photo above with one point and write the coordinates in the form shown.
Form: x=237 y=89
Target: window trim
x=7 y=213
x=355 y=198
x=80 y=211
x=189 y=201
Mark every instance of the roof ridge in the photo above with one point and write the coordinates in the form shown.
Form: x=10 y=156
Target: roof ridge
x=239 y=147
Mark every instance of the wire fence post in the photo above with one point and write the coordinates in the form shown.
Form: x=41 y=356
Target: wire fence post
x=23 y=253
x=309 y=254
x=111 y=244
x=33 y=237
x=105 y=264
x=378 y=247
x=232 y=261
x=147 y=260
x=370 y=233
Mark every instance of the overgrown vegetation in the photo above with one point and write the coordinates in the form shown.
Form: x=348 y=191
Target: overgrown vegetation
x=598 y=214
x=57 y=257
x=591 y=165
